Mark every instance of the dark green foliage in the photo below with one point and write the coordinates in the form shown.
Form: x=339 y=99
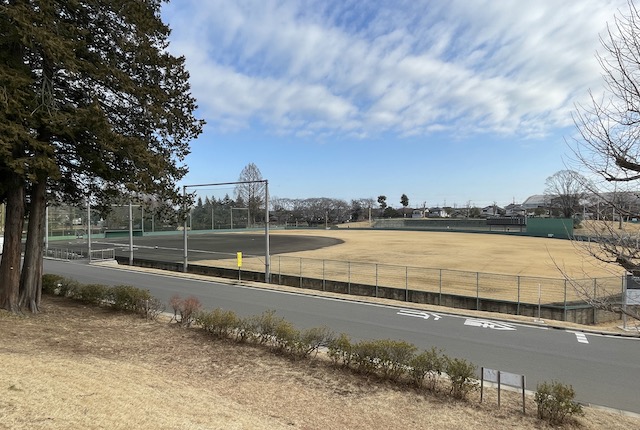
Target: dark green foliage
x=128 y=298
x=93 y=294
x=68 y=287
x=122 y=297
x=556 y=402
x=91 y=103
x=50 y=283
x=462 y=375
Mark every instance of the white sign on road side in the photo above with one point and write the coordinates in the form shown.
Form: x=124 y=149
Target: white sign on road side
x=633 y=297
x=502 y=378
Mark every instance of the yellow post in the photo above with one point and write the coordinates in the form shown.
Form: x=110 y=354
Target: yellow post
x=239 y=256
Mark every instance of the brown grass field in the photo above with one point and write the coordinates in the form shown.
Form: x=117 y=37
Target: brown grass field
x=78 y=367
x=539 y=262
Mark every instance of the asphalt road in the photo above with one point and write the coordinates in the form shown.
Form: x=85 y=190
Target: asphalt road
x=604 y=370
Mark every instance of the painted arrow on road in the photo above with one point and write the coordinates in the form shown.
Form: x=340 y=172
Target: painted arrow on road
x=419 y=314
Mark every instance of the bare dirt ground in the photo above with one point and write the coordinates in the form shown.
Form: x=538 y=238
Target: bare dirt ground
x=73 y=366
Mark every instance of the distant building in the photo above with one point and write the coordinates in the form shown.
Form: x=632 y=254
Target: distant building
x=514 y=209
x=492 y=210
x=437 y=213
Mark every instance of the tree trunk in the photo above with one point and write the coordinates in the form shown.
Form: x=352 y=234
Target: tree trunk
x=31 y=279
x=10 y=265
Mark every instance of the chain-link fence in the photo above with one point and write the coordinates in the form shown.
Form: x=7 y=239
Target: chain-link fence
x=480 y=285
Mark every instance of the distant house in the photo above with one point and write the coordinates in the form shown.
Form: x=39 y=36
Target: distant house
x=417 y=213
x=514 y=209
x=437 y=213
x=492 y=210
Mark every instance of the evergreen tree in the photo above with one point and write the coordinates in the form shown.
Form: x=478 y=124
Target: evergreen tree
x=92 y=104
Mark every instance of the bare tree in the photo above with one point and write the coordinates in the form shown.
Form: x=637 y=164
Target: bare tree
x=608 y=147
x=251 y=191
x=566 y=191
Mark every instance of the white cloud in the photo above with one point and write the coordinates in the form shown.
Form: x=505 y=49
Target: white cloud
x=508 y=67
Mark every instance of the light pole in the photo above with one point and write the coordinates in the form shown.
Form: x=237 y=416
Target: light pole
x=130 y=234
x=89 y=226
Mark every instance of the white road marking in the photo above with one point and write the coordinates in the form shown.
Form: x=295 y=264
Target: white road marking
x=581 y=337
x=488 y=324
x=419 y=314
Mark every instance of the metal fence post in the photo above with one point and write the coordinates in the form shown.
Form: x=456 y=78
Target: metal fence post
x=279 y=269
x=324 y=287
x=406 y=283
x=376 y=280
x=624 y=302
x=300 y=272
x=565 y=301
x=477 y=291
x=518 y=305
x=595 y=293
x=440 y=290
x=349 y=277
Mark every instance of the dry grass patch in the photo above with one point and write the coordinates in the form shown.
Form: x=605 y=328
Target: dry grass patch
x=74 y=366
x=413 y=259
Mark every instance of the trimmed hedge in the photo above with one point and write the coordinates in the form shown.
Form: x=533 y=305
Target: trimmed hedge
x=122 y=297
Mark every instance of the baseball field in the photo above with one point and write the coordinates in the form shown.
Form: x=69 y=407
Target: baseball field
x=495 y=266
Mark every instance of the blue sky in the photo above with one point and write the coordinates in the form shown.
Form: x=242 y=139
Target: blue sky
x=448 y=102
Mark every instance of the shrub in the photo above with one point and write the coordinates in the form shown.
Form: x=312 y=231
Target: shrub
x=394 y=357
x=93 y=294
x=218 y=322
x=462 y=375
x=50 y=283
x=340 y=350
x=364 y=357
x=266 y=325
x=389 y=358
x=555 y=402
x=285 y=336
x=310 y=340
x=185 y=310
x=128 y=298
x=247 y=330
x=152 y=308
x=428 y=366
x=68 y=287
